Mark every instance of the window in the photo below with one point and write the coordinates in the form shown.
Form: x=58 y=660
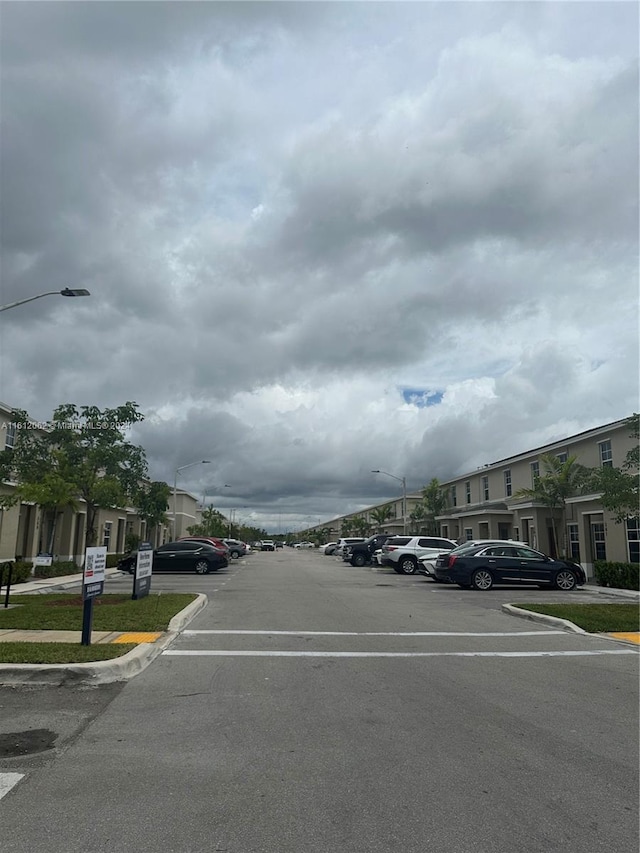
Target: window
x=606 y=456
x=633 y=539
x=468 y=534
x=535 y=473
x=467 y=491
x=562 y=457
x=10 y=438
x=454 y=496
x=107 y=534
x=599 y=542
x=507 y=483
x=485 y=488
x=574 y=542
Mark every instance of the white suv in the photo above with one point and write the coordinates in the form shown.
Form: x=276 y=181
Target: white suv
x=403 y=552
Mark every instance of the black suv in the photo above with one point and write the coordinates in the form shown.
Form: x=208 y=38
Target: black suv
x=361 y=553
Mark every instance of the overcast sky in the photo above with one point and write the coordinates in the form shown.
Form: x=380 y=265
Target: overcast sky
x=322 y=238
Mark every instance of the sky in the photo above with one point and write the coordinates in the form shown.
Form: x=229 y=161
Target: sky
x=321 y=238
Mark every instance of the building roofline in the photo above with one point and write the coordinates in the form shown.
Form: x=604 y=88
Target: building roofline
x=518 y=457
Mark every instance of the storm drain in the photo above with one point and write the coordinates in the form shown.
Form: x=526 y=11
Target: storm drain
x=13 y=744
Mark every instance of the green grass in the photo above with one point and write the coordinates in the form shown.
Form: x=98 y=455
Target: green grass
x=63 y=612
x=60 y=652
x=594 y=618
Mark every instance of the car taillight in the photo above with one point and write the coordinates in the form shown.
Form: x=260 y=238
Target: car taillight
x=391 y=547
x=452 y=561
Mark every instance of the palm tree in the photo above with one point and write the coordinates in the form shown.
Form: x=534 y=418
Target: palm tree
x=381 y=514
x=560 y=481
x=434 y=499
x=418 y=515
x=360 y=525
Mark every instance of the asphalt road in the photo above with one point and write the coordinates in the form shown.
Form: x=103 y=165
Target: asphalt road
x=391 y=714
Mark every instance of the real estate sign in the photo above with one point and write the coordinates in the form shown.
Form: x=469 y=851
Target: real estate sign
x=144 y=568
x=95 y=563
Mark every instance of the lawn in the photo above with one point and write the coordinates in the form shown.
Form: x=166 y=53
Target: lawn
x=60 y=612
x=594 y=618
x=60 y=652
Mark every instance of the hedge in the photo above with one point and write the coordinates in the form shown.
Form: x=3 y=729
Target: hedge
x=617 y=575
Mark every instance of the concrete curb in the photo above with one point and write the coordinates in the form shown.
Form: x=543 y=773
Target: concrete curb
x=512 y=610
x=106 y=671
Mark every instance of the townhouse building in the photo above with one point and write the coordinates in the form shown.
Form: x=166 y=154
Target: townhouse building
x=484 y=504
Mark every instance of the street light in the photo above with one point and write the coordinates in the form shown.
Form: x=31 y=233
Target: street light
x=66 y=292
x=402 y=480
x=175 y=486
x=210 y=491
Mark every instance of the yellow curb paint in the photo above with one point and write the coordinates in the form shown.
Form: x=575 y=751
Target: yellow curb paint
x=631 y=636
x=139 y=637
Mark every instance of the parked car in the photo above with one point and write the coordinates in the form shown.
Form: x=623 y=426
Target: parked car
x=181 y=556
x=268 y=545
x=304 y=545
x=403 y=552
x=279 y=544
x=329 y=548
x=212 y=540
x=361 y=553
x=427 y=564
x=236 y=548
x=484 y=565
x=342 y=543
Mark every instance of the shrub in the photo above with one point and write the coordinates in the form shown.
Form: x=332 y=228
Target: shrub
x=617 y=575
x=57 y=569
x=113 y=560
x=20 y=571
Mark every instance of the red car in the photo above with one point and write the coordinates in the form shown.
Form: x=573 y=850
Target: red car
x=212 y=540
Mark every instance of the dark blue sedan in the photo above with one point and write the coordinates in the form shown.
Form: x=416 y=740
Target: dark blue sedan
x=483 y=566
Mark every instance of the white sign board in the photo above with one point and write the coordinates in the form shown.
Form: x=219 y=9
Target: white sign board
x=95 y=563
x=144 y=564
x=43 y=560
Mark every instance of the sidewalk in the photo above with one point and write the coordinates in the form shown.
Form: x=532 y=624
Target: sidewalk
x=46 y=584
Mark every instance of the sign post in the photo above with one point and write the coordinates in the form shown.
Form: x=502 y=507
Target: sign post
x=95 y=563
x=144 y=568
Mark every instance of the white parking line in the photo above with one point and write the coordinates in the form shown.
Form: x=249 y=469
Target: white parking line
x=226 y=653
x=386 y=633
x=7 y=782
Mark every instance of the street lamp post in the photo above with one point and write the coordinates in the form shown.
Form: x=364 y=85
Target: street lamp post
x=402 y=480
x=175 y=486
x=66 y=292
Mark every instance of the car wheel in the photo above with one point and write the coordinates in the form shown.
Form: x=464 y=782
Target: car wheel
x=235 y=555
x=408 y=566
x=202 y=567
x=565 y=580
x=482 y=579
x=358 y=560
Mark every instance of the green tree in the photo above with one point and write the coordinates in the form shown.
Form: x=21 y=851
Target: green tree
x=558 y=482
x=152 y=503
x=347 y=528
x=434 y=498
x=619 y=486
x=81 y=455
x=212 y=523
x=417 y=516
x=380 y=515
x=360 y=525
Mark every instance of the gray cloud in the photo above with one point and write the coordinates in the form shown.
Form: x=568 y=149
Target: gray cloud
x=287 y=212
